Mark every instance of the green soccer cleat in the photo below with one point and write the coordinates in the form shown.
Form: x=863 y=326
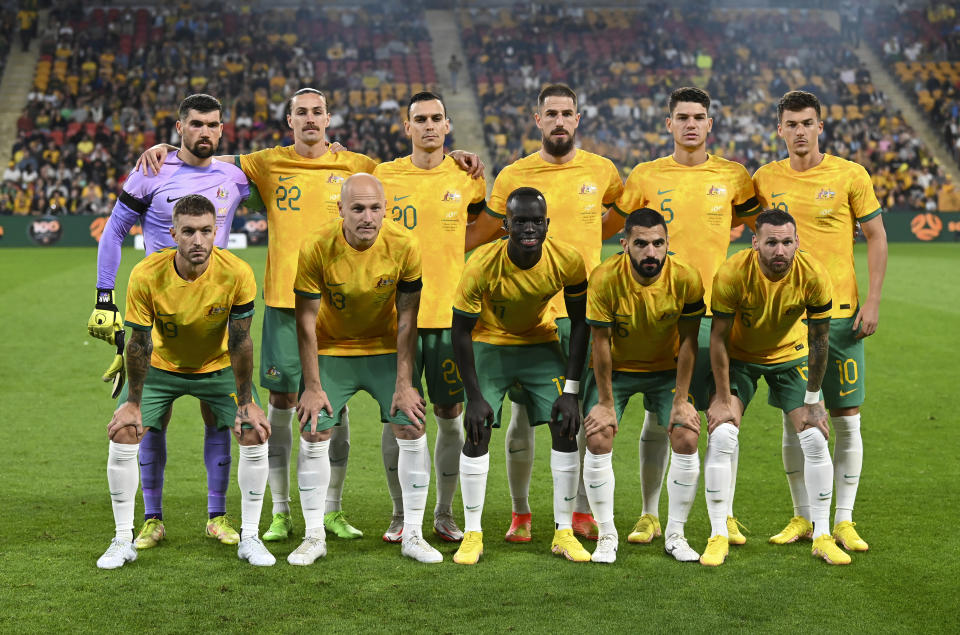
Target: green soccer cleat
x=219 y=527
x=646 y=529
x=280 y=528
x=151 y=534
x=336 y=522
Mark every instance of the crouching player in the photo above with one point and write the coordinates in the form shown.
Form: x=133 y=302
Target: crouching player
x=190 y=309
x=760 y=297
x=644 y=309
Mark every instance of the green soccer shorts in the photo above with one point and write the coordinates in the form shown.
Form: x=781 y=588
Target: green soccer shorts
x=436 y=366
x=536 y=369
x=279 y=355
x=787 y=382
x=700 y=381
x=843 y=382
x=657 y=387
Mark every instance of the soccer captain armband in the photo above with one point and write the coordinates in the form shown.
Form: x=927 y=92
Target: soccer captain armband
x=105 y=319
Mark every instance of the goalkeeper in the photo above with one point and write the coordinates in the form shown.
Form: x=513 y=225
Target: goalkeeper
x=149 y=200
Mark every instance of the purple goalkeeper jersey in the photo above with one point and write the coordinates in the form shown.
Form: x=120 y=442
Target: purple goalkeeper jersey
x=150 y=199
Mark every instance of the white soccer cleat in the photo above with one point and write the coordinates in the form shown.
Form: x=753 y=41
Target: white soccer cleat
x=420 y=550
x=119 y=553
x=394 y=532
x=606 y=550
x=310 y=549
x=253 y=551
x=677 y=546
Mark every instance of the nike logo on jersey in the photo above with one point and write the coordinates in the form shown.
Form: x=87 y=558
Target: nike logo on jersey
x=285 y=178
x=400 y=198
x=171 y=200
x=776 y=195
x=662 y=192
x=844 y=393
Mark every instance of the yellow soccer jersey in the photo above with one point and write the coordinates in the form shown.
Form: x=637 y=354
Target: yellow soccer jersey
x=434 y=205
x=358 y=314
x=577 y=192
x=643 y=319
x=699 y=203
x=768 y=327
x=513 y=304
x=301 y=196
x=827 y=202
x=189 y=319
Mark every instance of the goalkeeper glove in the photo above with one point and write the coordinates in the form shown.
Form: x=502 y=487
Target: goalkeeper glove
x=117 y=372
x=105 y=320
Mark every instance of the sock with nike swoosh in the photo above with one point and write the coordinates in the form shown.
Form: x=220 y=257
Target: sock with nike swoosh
x=414 y=482
x=390 y=452
x=793 y=466
x=681 y=490
x=565 y=467
x=122 y=479
x=281 y=447
x=339 y=453
x=818 y=475
x=716 y=476
x=153 y=458
x=599 y=480
x=847 y=463
x=216 y=458
x=252 y=472
x=654 y=452
x=446 y=458
x=313 y=477
x=519 y=443
x=473 y=488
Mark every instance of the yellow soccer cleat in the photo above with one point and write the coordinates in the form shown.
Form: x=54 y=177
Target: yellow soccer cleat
x=734 y=537
x=847 y=536
x=716 y=551
x=646 y=529
x=566 y=544
x=826 y=547
x=799 y=528
x=219 y=527
x=151 y=534
x=470 y=549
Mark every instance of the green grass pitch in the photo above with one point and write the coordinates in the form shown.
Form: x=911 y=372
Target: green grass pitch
x=55 y=515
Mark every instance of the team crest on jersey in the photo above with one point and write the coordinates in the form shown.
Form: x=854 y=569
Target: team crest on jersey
x=450 y=197
x=669 y=315
x=384 y=282
x=825 y=194
x=588 y=188
x=216 y=310
x=716 y=190
x=333 y=178
x=221 y=193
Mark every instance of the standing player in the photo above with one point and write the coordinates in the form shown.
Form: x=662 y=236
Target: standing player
x=362 y=280
x=150 y=200
x=579 y=187
x=644 y=309
x=432 y=197
x=829 y=196
x=190 y=309
x=508 y=287
x=701 y=196
x=760 y=296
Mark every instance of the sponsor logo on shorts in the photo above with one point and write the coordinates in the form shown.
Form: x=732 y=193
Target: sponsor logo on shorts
x=274 y=372
x=844 y=393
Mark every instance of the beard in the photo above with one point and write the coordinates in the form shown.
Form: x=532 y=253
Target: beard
x=558 y=148
x=648 y=267
x=203 y=151
x=778 y=265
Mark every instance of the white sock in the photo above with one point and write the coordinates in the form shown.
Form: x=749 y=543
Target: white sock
x=847 y=463
x=734 y=464
x=582 y=504
x=252 y=478
x=654 y=452
x=818 y=475
x=793 y=466
x=123 y=478
x=339 y=453
x=519 y=448
x=599 y=478
x=681 y=490
x=716 y=475
x=446 y=458
x=473 y=488
x=414 y=482
x=390 y=452
x=281 y=446
x=565 y=467
x=313 y=477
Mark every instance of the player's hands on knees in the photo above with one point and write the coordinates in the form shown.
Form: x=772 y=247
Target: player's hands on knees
x=309 y=407
x=128 y=414
x=723 y=410
x=683 y=414
x=815 y=415
x=566 y=412
x=469 y=162
x=252 y=415
x=599 y=419
x=152 y=159
x=865 y=323
x=409 y=401
x=478 y=414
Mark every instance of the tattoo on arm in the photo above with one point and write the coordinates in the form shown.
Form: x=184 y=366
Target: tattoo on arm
x=407 y=304
x=240 y=347
x=139 y=350
x=819 y=339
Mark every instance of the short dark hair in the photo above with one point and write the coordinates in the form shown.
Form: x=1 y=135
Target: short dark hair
x=797 y=100
x=556 y=90
x=201 y=103
x=193 y=205
x=523 y=196
x=774 y=217
x=688 y=93
x=425 y=95
x=644 y=217
x=304 y=91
